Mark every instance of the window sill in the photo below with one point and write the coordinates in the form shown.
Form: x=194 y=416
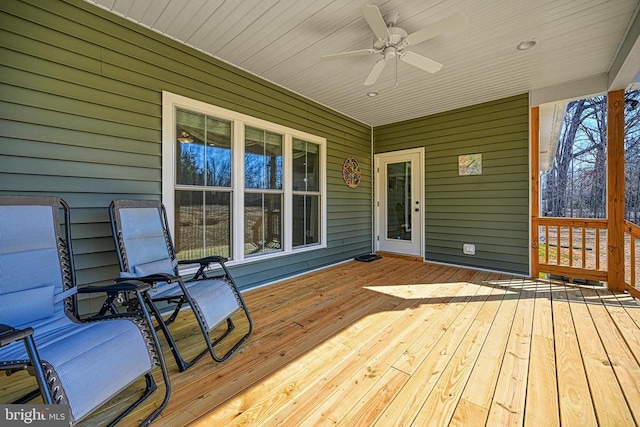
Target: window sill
x=188 y=270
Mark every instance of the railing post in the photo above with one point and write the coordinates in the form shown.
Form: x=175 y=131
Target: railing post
x=535 y=192
x=615 y=190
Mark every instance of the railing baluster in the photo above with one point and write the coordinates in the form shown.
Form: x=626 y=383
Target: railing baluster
x=546 y=243
x=559 y=245
x=632 y=232
x=584 y=247
x=571 y=246
x=632 y=264
x=597 y=249
x=560 y=232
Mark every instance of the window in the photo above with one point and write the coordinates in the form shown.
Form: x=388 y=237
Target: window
x=238 y=186
x=202 y=185
x=263 y=191
x=306 y=193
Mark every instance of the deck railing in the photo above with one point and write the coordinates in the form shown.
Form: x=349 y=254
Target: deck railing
x=632 y=258
x=577 y=248
x=573 y=248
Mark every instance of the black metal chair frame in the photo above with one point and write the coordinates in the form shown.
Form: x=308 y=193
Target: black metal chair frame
x=185 y=298
x=46 y=385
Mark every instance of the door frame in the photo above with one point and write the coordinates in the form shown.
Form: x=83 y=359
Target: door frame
x=418 y=191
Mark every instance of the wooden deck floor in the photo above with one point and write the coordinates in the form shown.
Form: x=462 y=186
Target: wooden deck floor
x=398 y=342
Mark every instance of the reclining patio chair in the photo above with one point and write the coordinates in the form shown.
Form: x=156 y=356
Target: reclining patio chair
x=83 y=364
x=146 y=253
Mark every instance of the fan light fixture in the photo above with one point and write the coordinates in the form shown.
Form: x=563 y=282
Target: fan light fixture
x=392 y=43
x=526 y=45
x=185 y=138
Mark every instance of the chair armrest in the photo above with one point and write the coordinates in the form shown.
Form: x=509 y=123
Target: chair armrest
x=9 y=334
x=152 y=278
x=120 y=285
x=205 y=261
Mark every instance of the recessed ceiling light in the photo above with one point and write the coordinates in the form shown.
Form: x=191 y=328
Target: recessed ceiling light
x=372 y=94
x=526 y=45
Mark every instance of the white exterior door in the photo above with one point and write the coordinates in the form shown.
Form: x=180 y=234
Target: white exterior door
x=399 y=202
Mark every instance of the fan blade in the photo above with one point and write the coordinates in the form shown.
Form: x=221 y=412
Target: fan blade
x=376 y=21
x=421 y=62
x=452 y=23
x=375 y=72
x=361 y=52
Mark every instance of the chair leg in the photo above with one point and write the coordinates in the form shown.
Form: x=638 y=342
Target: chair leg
x=183 y=365
x=150 y=388
x=244 y=308
x=230 y=326
x=34 y=357
x=151 y=384
x=27 y=397
x=108 y=305
x=173 y=316
x=207 y=338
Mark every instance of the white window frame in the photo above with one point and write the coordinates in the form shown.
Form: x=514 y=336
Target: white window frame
x=171 y=101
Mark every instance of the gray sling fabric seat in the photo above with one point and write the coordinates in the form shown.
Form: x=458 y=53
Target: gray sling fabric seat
x=146 y=253
x=80 y=363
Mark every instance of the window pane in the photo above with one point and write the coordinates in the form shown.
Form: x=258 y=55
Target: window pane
x=204 y=145
x=190 y=162
x=306 y=220
x=217 y=239
x=218 y=153
x=262 y=223
x=262 y=159
x=306 y=176
x=202 y=229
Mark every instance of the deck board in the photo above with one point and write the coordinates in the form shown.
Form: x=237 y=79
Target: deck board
x=605 y=389
x=542 y=387
x=402 y=342
x=576 y=406
x=507 y=406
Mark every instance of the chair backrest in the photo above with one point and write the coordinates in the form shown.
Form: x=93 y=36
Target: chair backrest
x=37 y=283
x=142 y=237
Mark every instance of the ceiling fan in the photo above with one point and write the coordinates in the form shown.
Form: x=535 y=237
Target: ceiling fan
x=391 y=41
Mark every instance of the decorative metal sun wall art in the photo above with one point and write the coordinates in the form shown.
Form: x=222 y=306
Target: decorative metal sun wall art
x=351 y=172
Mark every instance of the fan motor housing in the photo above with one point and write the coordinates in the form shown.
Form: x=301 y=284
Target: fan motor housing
x=397 y=36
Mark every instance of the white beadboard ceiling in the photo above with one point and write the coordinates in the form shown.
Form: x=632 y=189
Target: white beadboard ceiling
x=591 y=41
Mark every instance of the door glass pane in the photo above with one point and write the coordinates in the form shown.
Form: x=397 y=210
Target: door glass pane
x=399 y=202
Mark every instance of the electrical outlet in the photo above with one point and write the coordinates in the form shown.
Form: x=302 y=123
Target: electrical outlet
x=469 y=249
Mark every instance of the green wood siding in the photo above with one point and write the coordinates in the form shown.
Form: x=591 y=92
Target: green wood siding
x=489 y=210
x=80 y=118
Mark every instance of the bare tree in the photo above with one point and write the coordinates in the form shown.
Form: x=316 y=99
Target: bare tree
x=575 y=186
x=556 y=180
